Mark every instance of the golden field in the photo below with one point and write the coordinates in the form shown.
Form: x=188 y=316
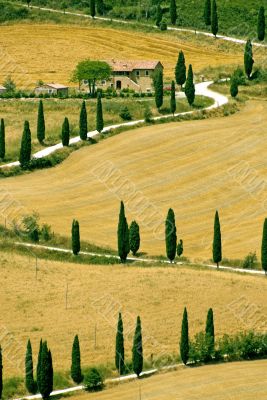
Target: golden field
x=37 y=309
x=50 y=52
x=195 y=167
x=233 y=381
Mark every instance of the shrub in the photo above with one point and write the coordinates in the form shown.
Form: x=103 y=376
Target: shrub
x=31 y=227
x=250 y=261
x=147 y=115
x=199 y=350
x=125 y=114
x=46 y=232
x=163 y=25
x=93 y=381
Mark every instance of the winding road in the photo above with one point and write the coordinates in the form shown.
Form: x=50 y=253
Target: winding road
x=202 y=89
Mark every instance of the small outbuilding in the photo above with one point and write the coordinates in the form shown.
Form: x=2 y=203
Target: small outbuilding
x=2 y=89
x=52 y=89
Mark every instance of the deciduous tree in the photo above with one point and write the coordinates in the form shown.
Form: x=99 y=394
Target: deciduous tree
x=92 y=72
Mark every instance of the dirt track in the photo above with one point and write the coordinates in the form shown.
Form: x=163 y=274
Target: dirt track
x=194 y=167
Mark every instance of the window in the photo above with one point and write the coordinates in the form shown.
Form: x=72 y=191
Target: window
x=103 y=82
x=147 y=73
x=137 y=73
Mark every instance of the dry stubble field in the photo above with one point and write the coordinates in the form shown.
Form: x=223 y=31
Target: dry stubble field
x=195 y=167
x=36 y=309
x=233 y=381
x=51 y=52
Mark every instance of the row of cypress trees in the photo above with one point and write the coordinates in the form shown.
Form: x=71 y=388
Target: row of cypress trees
x=180 y=78
x=26 y=142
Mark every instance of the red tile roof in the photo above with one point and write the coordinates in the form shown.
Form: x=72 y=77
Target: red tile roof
x=129 y=66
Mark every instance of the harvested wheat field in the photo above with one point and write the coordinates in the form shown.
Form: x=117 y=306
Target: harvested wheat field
x=34 y=52
x=235 y=381
x=37 y=309
x=195 y=167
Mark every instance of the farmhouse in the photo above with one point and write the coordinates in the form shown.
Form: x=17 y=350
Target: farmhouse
x=135 y=75
x=52 y=88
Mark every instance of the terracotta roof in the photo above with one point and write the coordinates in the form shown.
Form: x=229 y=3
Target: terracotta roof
x=55 y=85
x=129 y=66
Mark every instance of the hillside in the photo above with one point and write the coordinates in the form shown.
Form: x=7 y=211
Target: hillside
x=36 y=309
x=49 y=48
x=233 y=381
x=236 y=18
x=195 y=167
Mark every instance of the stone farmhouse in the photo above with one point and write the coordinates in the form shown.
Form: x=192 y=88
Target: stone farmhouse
x=134 y=75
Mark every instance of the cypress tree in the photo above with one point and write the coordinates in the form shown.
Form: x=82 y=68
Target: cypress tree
x=190 y=87
x=38 y=370
x=170 y=235
x=41 y=123
x=234 y=88
x=217 y=240
x=207 y=12
x=210 y=336
x=173 y=99
x=1 y=373
x=134 y=237
x=119 y=353
x=264 y=247
x=26 y=146
x=158 y=86
x=65 y=135
x=180 y=70
x=261 y=23
x=137 y=350
x=2 y=139
x=184 y=342
x=76 y=372
x=159 y=15
x=248 y=58
x=92 y=8
x=45 y=384
x=83 y=122
x=180 y=248
x=51 y=372
x=214 y=18
x=173 y=12
x=99 y=114
x=123 y=235
x=100 y=6
x=29 y=379
x=75 y=235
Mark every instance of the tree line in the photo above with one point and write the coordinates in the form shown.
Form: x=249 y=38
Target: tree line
x=25 y=154
x=202 y=348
